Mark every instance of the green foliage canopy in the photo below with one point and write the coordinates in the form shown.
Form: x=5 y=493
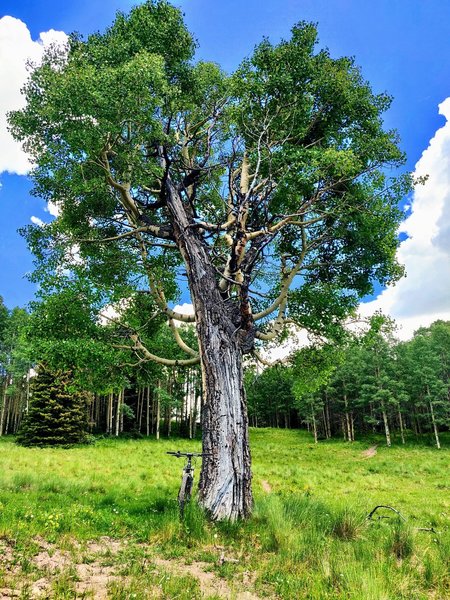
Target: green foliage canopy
x=288 y=155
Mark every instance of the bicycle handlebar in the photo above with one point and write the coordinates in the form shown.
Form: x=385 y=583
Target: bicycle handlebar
x=178 y=454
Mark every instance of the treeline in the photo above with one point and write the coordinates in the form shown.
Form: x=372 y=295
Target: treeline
x=371 y=384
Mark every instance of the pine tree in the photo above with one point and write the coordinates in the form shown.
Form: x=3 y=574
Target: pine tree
x=57 y=414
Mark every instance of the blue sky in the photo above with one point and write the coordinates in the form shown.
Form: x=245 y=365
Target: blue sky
x=402 y=46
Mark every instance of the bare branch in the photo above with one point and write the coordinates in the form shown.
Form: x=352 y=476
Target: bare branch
x=139 y=347
x=277 y=325
x=286 y=284
x=181 y=343
x=134 y=231
x=268 y=363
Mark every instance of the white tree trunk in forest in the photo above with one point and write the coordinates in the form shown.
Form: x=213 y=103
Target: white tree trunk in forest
x=433 y=420
x=140 y=407
x=109 y=414
x=326 y=418
x=147 y=414
x=400 y=421
x=158 y=410
x=8 y=414
x=314 y=425
x=118 y=414
x=122 y=401
x=348 y=420
x=386 y=424
x=4 y=400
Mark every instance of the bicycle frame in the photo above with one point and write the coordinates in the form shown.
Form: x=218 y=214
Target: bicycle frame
x=187 y=480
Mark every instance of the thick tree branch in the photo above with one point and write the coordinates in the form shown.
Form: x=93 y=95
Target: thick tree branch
x=181 y=343
x=277 y=325
x=285 y=285
x=268 y=363
x=139 y=347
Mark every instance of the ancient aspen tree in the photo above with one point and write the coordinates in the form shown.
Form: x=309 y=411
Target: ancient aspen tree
x=266 y=192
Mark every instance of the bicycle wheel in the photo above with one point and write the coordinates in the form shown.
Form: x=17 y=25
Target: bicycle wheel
x=184 y=494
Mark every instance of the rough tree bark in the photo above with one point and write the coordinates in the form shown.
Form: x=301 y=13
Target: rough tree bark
x=225 y=480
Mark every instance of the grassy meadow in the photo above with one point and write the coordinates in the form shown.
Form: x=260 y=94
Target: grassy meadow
x=102 y=521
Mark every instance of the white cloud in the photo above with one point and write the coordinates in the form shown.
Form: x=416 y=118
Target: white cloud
x=53 y=209
x=185 y=309
x=274 y=352
x=16 y=48
x=424 y=294
x=37 y=221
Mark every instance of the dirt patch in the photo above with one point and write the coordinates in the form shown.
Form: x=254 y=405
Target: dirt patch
x=89 y=577
x=52 y=561
x=105 y=545
x=94 y=579
x=7 y=593
x=40 y=588
x=370 y=452
x=6 y=553
x=210 y=583
x=266 y=486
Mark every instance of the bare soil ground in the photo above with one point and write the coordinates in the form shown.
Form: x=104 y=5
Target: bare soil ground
x=266 y=486
x=92 y=569
x=370 y=452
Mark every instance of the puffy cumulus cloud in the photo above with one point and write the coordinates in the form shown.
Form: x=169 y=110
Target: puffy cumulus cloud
x=274 y=352
x=53 y=209
x=423 y=296
x=185 y=309
x=16 y=49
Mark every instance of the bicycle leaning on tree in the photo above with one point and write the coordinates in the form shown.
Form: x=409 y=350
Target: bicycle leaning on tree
x=187 y=480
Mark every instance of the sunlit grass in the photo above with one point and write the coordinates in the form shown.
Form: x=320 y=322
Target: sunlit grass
x=309 y=536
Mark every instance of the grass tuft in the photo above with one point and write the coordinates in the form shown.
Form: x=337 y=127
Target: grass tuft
x=347 y=523
x=400 y=541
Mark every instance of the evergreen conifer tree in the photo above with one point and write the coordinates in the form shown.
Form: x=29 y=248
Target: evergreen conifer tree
x=57 y=413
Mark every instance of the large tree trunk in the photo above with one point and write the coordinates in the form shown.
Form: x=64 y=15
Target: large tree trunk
x=225 y=482
x=225 y=479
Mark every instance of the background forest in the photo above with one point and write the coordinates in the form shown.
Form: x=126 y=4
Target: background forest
x=369 y=383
